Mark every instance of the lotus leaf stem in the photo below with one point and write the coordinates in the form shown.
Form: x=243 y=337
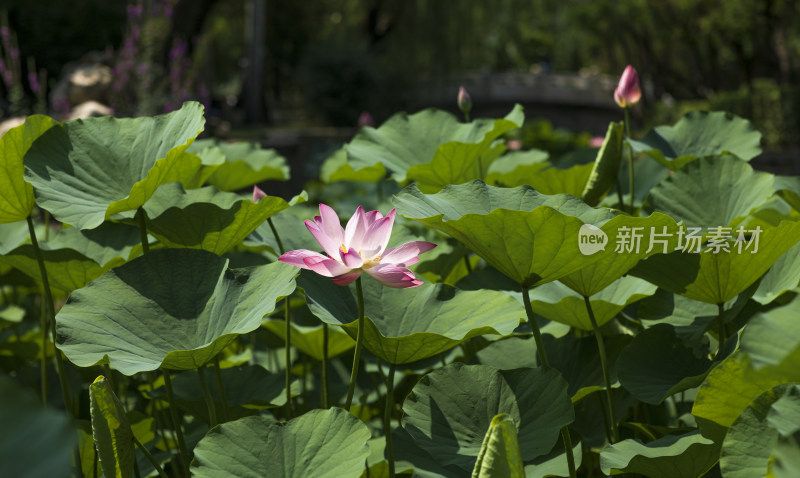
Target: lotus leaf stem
x=221 y=385
x=387 y=418
x=150 y=458
x=176 y=422
x=212 y=409
x=141 y=219
x=324 y=366
x=601 y=347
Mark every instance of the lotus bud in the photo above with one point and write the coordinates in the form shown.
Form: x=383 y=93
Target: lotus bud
x=365 y=119
x=464 y=101
x=258 y=194
x=628 y=92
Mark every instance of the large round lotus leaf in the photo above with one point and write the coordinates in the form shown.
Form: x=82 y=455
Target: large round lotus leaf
x=457 y=162
x=87 y=170
x=712 y=191
x=319 y=444
x=309 y=340
x=730 y=387
x=516 y=167
x=558 y=302
x=750 y=440
x=34 y=441
x=207 y=218
x=716 y=278
x=658 y=364
x=784 y=275
x=234 y=166
x=16 y=201
x=788 y=188
x=699 y=134
x=337 y=168
x=771 y=341
x=405 y=325
x=75 y=257
x=389 y=144
x=291 y=229
x=450 y=409
x=171 y=308
x=671 y=456
x=530 y=237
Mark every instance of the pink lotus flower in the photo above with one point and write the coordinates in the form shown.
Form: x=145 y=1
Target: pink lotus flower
x=628 y=92
x=463 y=100
x=258 y=194
x=359 y=247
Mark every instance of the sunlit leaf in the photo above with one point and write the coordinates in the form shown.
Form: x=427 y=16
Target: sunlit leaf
x=605 y=171
x=243 y=164
x=672 y=456
x=500 y=456
x=171 y=308
x=111 y=431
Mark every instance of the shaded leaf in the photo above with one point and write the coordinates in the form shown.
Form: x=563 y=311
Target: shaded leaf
x=111 y=431
x=672 y=456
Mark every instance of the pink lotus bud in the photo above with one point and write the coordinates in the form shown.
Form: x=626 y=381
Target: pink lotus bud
x=596 y=141
x=514 y=145
x=258 y=194
x=628 y=92
x=365 y=119
x=464 y=100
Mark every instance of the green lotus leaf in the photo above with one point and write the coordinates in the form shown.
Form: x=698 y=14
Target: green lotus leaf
x=309 y=340
x=771 y=341
x=698 y=134
x=17 y=200
x=751 y=439
x=405 y=325
x=500 y=456
x=555 y=462
x=605 y=171
x=248 y=389
x=530 y=237
x=207 y=218
x=450 y=410
x=671 y=456
x=457 y=162
x=321 y=444
x=34 y=441
x=389 y=145
x=516 y=168
x=788 y=188
x=634 y=239
x=337 y=168
x=716 y=278
x=170 y=308
x=234 y=166
x=87 y=170
x=291 y=229
x=729 y=388
x=658 y=364
x=782 y=276
x=111 y=431
x=578 y=361
x=558 y=302
x=713 y=191
x=75 y=257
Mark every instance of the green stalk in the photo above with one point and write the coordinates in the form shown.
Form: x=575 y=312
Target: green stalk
x=325 y=366
x=721 y=319
x=176 y=422
x=51 y=318
x=43 y=365
x=387 y=418
x=218 y=373
x=141 y=219
x=619 y=194
x=630 y=157
x=604 y=364
x=466 y=263
x=359 y=344
x=537 y=336
x=212 y=409
x=287 y=333
x=150 y=458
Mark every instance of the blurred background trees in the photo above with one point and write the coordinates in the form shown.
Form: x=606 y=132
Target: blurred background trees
x=326 y=61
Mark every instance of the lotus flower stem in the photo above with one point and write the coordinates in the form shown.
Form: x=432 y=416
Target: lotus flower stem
x=150 y=458
x=218 y=373
x=387 y=418
x=359 y=344
x=604 y=364
x=176 y=423
x=537 y=336
x=287 y=333
x=158 y=412
x=141 y=219
x=630 y=158
x=325 y=366
x=49 y=317
x=619 y=193
x=212 y=409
